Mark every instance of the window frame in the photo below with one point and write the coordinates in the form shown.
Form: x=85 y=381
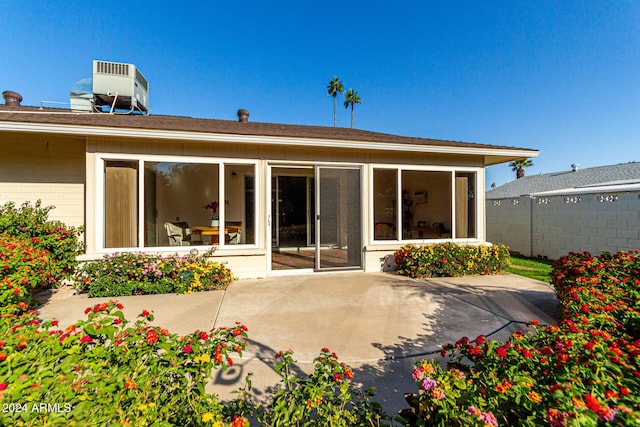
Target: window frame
x=221 y=162
x=400 y=168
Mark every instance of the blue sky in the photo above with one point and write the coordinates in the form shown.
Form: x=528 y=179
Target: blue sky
x=559 y=76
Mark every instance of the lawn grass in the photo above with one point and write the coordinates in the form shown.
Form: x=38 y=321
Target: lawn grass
x=533 y=268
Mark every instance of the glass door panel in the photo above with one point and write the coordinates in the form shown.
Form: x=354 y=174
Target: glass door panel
x=292 y=225
x=338 y=218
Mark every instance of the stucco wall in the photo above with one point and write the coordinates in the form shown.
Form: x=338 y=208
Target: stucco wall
x=562 y=224
x=47 y=168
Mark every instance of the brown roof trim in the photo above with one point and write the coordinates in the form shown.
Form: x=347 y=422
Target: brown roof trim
x=215 y=126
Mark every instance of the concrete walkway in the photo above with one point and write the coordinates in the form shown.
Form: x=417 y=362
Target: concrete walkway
x=379 y=324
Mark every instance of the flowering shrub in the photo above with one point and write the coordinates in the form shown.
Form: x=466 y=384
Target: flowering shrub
x=321 y=399
x=22 y=269
x=449 y=259
x=584 y=371
x=106 y=371
x=30 y=222
x=139 y=273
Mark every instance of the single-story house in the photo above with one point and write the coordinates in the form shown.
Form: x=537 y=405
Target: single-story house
x=549 y=215
x=271 y=197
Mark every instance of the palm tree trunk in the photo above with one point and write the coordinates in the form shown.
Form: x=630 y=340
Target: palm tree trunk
x=352 y=115
x=335 y=107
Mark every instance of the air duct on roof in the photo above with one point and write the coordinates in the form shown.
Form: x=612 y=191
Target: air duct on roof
x=11 y=98
x=574 y=167
x=243 y=115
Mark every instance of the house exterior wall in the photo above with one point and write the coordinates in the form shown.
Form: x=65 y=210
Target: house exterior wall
x=571 y=223
x=46 y=168
x=65 y=171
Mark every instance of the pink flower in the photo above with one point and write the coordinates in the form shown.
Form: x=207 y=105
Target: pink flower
x=428 y=384
x=187 y=349
x=488 y=419
x=85 y=339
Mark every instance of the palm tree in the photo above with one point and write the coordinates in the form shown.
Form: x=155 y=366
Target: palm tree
x=519 y=165
x=335 y=88
x=349 y=99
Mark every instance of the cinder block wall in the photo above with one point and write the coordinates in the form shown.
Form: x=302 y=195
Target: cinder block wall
x=588 y=222
x=563 y=224
x=509 y=223
x=48 y=169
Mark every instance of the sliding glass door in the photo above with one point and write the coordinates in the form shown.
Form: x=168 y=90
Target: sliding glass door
x=338 y=218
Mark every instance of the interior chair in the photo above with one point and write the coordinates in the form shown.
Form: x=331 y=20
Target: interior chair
x=178 y=233
x=234 y=232
x=384 y=231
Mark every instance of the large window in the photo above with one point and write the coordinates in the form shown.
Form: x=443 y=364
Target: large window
x=182 y=204
x=410 y=204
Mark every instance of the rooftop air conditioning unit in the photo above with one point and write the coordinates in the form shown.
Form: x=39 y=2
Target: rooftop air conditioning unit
x=119 y=86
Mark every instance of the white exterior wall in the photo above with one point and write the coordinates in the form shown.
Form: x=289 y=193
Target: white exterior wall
x=559 y=225
x=509 y=223
x=49 y=169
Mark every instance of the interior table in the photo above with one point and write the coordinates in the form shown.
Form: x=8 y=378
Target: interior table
x=213 y=232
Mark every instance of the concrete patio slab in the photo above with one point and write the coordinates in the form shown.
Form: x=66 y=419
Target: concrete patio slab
x=379 y=324
x=180 y=314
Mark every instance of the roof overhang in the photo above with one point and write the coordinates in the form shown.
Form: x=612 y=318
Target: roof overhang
x=491 y=155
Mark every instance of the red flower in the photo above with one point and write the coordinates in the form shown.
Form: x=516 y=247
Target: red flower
x=130 y=384
x=480 y=340
x=348 y=373
x=85 y=339
x=151 y=337
x=592 y=402
x=187 y=349
x=501 y=352
x=3 y=385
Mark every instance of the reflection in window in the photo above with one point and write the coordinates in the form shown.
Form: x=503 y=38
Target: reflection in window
x=426 y=204
x=385 y=194
x=465 y=205
x=176 y=199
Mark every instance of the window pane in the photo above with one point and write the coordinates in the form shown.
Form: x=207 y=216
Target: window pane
x=385 y=190
x=426 y=205
x=176 y=199
x=240 y=211
x=120 y=204
x=465 y=205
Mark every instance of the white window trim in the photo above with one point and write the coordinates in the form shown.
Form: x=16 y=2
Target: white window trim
x=479 y=174
x=101 y=157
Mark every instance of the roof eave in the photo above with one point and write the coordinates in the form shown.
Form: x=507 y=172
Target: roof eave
x=491 y=155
